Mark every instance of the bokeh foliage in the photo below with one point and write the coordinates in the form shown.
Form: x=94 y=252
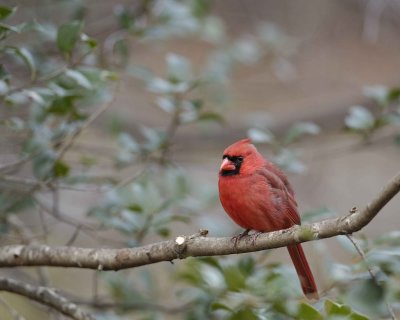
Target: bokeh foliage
x=56 y=79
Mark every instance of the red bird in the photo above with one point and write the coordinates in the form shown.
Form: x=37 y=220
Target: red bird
x=257 y=196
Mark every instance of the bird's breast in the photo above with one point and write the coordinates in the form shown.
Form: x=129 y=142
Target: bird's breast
x=249 y=202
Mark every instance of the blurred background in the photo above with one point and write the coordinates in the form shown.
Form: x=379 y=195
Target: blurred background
x=114 y=116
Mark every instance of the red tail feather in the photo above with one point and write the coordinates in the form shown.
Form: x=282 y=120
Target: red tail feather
x=303 y=271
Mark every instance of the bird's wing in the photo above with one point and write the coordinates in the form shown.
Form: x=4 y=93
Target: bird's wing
x=281 y=176
x=283 y=194
x=286 y=205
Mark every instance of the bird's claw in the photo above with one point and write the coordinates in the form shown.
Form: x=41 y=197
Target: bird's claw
x=240 y=236
x=254 y=237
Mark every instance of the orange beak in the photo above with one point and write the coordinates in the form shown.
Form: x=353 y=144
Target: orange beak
x=227 y=165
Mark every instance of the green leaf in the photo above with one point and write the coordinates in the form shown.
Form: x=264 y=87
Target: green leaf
x=4 y=75
x=125 y=18
x=219 y=306
x=60 y=169
x=160 y=85
x=91 y=42
x=6 y=12
x=246 y=50
x=212 y=262
x=201 y=8
x=393 y=95
x=153 y=137
x=391 y=238
x=358 y=316
x=299 y=130
x=288 y=161
x=197 y=104
x=126 y=141
x=79 y=78
x=3 y=87
x=333 y=308
x=26 y=56
x=178 y=68
x=359 y=118
x=387 y=259
x=247 y=265
x=260 y=136
x=167 y=104
x=246 y=313
x=234 y=278
x=210 y=116
x=43 y=165
x=15 y=123
x=62 y=106
x=164 y=232
x=4 y=28
x=135 y=207
x=378 y=92
x=88 y=160
x=368 y=297
x=68 y=35
x=308 y=312
x=213 y=30
x=183 y=219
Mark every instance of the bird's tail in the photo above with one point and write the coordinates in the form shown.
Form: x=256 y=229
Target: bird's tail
x=303 y=271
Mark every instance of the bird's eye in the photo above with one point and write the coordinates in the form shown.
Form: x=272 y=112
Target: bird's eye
x=240 y=158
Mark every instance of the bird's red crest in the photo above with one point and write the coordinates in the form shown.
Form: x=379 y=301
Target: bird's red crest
x=241 y=147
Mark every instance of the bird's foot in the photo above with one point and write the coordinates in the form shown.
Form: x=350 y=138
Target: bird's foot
x=254 y=237
x=240 y=236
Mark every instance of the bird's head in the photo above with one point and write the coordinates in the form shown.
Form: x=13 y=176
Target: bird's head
x=239 y=157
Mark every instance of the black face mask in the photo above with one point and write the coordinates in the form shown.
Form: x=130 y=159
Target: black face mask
x=237 y=162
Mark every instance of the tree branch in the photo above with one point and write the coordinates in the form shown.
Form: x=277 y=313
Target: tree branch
x=195 y=245
x=104 y=304
x=45 y=296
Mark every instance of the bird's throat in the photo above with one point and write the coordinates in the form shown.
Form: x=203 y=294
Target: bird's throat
x=227 y=173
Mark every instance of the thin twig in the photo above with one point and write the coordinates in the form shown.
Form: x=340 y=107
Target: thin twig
x=174 y=123
x=4 y=169
x=43 y=224
x=372 y=275
x=19 y=182
x=55 y=199
x=76 y=134
x=46 y=296
x=74 y=236
x=102 y=304
x=63 y=217
x=170 y=132
x=130 y=178
x=88 y=229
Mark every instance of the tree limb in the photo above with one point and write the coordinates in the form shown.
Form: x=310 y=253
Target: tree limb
x=46 y=296
x=195 y=245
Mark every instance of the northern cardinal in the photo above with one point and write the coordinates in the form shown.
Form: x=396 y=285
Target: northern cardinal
x=257 y=195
